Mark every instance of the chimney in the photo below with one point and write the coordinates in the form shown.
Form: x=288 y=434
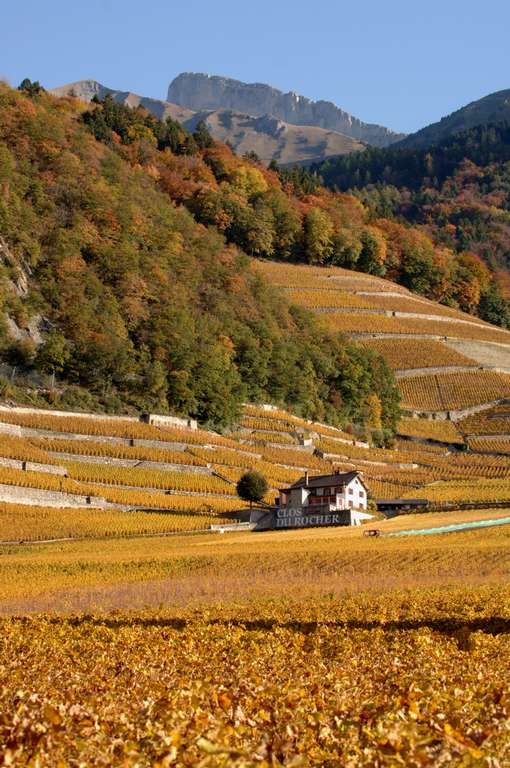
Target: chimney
x=306 y=477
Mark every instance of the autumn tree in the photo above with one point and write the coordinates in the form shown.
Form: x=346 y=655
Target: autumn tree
x=53 y=354
x=318 y=236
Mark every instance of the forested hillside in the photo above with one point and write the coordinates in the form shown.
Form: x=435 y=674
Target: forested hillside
x=110 y=284
x=457 y=193
x=289 y=215
x=493 y=108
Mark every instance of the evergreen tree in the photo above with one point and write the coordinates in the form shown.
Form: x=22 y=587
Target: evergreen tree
x=202 y=136
x=31 y=88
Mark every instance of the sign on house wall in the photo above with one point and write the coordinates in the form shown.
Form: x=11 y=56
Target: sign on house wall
x=289 y=517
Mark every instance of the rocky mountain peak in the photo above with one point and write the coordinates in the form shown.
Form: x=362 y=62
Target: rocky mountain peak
x=199 y=91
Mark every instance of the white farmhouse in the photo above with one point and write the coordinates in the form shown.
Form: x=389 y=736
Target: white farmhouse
x=339 y=499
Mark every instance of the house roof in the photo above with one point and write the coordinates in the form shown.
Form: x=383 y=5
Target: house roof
x=318 y=481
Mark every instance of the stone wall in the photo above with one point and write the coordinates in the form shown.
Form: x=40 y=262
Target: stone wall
x=37 y=497
x=32 y=466
x=48 y=412
x=410 y=372
x=412 y=336
x=160 y=420
x=461 y=414
x=129 y=463
x=355 y=462
x=10 y=429
x=345 y=441
x=439 y=318
x=28 y=432
x=453 y=415
x=148 y=418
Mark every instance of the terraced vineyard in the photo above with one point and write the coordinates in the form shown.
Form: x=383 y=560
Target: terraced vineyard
x=441 y=430
x=121 y=452
x=26 y=523
x=493 y=421
x=499 y=445
x=409 y=354
x=411 y=332
x=453 y=391
x=120 y=477
x=360 y=325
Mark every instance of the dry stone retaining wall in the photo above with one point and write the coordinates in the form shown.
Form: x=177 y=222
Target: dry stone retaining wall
x=33 y=466
x=457 y=415
x=408 y=373
x=10 y=429
x=130 y=463
x=159 y=420
x=37 y=497
x=461 y=414
x=30 y=432
x=148 y=418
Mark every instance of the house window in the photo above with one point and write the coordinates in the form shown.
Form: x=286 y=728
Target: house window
x=320 y=491
x=350 y=491
x=361 y=494
x=350 y=503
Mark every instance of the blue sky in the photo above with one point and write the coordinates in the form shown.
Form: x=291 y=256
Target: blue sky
x=395 y=62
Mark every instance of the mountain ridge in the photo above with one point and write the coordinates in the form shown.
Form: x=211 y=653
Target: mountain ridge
x=85 y=90
x=492 y=108
x=266 y=135
x=201 y=91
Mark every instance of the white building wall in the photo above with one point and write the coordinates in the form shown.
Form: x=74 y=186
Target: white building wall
x=355 y=493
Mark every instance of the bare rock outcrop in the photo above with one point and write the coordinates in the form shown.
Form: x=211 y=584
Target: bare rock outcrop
x=209 y=92
x=85 y=90
x=270 y=137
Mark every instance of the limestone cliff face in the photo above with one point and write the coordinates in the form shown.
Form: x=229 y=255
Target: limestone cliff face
x=270 y=137
x=207 y=92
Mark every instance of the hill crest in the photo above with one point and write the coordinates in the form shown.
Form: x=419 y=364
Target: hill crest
x=493 y=108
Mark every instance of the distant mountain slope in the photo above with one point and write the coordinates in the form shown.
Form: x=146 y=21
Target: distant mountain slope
x=491 y=109
x=269 y=137
x=199 y=92
x=87 y=89
x=274 y=139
